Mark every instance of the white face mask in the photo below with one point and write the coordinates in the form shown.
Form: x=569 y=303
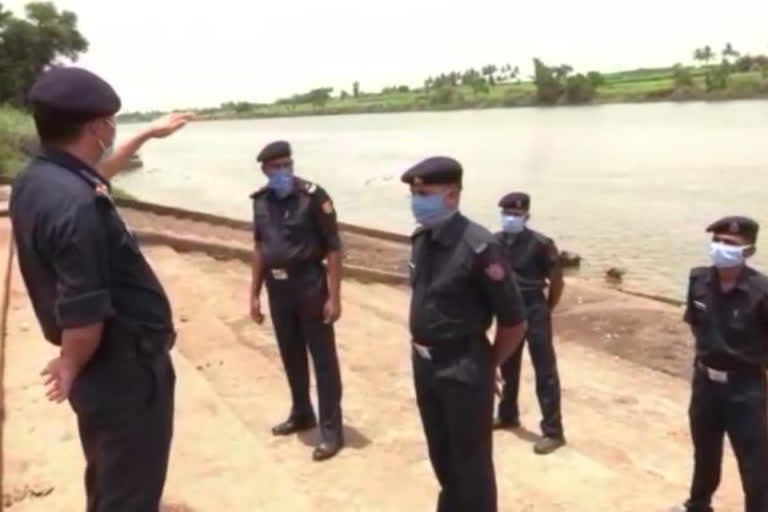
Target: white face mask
x=727 y=256
x=107 y=149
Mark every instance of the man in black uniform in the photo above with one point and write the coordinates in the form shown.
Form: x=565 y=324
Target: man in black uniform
x=95 y=296
x=727 y=309
x=294 y=226
x=535 y=260
x=460 y=284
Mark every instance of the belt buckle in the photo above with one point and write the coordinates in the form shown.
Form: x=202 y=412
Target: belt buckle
x=716 y=375
x=422 y=351
x=279 y=274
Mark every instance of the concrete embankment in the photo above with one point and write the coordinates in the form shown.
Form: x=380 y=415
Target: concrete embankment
x=623 y=360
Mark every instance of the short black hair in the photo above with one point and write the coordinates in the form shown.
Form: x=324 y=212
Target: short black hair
x=55 y=127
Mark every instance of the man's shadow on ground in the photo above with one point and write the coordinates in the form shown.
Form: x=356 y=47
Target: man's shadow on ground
x=523 y=434
x=353 y=438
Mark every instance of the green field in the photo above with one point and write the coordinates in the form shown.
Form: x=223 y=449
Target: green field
x=642 y=85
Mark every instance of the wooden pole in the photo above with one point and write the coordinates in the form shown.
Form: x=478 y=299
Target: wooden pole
x=4 y=307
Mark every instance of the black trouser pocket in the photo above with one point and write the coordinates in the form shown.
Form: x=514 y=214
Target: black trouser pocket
x=111 y=387
x=470 y=369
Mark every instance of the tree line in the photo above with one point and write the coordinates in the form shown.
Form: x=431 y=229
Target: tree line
x=717 y=76
x=30 y=44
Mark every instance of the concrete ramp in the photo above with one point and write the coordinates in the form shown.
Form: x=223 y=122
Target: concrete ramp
x=629 y=448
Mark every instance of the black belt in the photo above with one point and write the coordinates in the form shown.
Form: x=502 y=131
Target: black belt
x=443 y=350
x=723 y=376
x=728 y=364
x=293 y=270
x=121 y=339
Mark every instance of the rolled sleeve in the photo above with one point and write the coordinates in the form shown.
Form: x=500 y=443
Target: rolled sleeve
x=688 y=314
x=80 y=249
x=499 y=286
x=257 y=236
x=551 y=257
x=326 y=220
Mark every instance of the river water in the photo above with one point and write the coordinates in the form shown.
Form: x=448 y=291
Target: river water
x=623 y=185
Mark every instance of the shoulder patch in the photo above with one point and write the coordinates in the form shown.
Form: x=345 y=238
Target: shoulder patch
x=310 y=188
x=327 y=207
x=495 y=271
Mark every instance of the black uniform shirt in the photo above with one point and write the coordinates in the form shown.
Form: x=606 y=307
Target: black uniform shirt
x=731 y=328
x=298 y=229
x=532 y=256
x=79 y=262
x=460 y=282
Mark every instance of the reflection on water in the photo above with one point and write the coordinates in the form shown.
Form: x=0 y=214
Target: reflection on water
x=624 y=185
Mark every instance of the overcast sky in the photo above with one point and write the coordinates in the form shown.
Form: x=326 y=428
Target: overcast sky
x=168 y=54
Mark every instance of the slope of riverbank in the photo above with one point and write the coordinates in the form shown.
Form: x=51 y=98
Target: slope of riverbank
x=628 y=446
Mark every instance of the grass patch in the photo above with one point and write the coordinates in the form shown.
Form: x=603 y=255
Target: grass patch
x=15 y=130
x=16 y=133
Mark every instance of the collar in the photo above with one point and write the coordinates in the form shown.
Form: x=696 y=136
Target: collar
x=742 y=282
x=73 y=164
x=449 y=232
x=513 y=238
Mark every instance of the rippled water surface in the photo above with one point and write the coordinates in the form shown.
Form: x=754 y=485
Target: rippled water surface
x=623 y=185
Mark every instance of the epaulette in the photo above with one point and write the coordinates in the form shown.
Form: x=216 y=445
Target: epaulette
x=100 y=186
x=418 y=232
x=758 y=279
x=700 y=272
x=259 y=192
x=309 y=187
x=477 y=237
x=542 y=239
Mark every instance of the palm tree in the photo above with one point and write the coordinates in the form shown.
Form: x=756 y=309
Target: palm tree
x=728 y=51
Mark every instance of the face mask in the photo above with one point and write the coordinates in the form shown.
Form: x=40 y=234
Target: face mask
x=107 y=149
x=430 y=210
x=512 y=223
x=726 y=256
x=281 y=181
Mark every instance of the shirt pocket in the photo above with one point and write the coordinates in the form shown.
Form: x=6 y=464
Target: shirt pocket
x=701 y=307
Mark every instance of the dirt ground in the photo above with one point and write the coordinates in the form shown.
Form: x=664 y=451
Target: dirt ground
x=623 y=361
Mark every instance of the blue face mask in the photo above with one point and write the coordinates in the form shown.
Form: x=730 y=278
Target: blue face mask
x=281 y=181
x=727 y=256
x=513 y=223
x=430 y=210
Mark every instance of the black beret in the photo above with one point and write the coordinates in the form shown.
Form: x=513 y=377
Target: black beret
x=516 y=200
x=433 y=171
x=74 y=92
x=736 y=225
x=277 y=149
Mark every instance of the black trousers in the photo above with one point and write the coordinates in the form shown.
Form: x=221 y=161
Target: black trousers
x=455 y=400
x=296 y=304
x=737 y=408
x=542 y=352
x=125 y=409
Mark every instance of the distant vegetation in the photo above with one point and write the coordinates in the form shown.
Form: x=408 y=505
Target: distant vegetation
x=28 y=46
x=716 y=76
x=15 y=132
